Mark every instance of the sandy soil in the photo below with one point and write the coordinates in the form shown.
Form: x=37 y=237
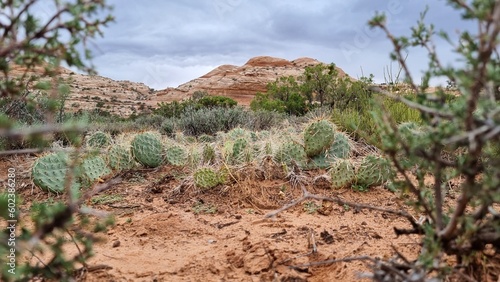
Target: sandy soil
x=163 y=233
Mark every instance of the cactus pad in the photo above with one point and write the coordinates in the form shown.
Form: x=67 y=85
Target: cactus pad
x=341 y=147
x=342 y=173
x=291 y=151
x=99 y=139
x=94 y=167
x=176 y=155
x=119 y=157
x=206 y=178
x=373 y=170
x=318 y=136
x=147 y=149
x=49 y=172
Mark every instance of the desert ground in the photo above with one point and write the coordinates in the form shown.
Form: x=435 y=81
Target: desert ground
x=167 y=231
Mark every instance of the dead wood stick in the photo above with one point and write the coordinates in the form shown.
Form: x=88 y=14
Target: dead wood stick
x=307 y=195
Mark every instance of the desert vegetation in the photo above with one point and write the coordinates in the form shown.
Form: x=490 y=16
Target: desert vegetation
x=317 y=136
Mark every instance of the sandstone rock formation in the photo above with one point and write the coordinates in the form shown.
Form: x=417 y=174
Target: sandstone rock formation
x=240 y=83
x=123 y=98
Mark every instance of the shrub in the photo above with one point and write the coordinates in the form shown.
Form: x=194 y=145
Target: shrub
x=210 y=121
x=39 y=45
x=466 y=125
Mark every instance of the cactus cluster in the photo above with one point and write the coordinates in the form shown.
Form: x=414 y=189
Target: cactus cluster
x=147 y=149
x=318 y=146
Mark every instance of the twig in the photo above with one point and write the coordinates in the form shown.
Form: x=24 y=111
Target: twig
x=331 y=261
x=307 y=195
x=312 y=242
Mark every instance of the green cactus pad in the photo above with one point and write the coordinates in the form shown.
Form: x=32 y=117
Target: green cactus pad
x=49 y=172
x=291 y=151
x=208 y=154
x=147 y=149
x=373 y=170
x=176 y=155
x=94 y=167
x=341 y=147
x=238 y=132
x=321 y=161
x=99 y=140
x=205 y=138
x=206 y=178
x=342 y=173
x=318 y=136
x=119 y=157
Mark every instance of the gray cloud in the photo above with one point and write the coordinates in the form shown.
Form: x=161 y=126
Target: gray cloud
x=166 y=43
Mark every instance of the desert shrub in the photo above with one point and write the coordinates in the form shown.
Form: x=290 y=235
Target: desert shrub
x=179 y=108
x=264 y=120
x=216 y=101
x=169 y=126
x=152 y=122
x=462 y=240
x=209 y=121
x=35 y=44
x=263 y=102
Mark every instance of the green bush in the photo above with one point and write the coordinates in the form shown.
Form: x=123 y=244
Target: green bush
x=464 y=227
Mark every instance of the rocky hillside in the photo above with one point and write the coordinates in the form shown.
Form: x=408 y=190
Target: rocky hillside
x=123 y=98
x=88 y=92
x=240 y=83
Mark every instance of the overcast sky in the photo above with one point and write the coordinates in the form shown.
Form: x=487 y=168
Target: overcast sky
x=167 y=43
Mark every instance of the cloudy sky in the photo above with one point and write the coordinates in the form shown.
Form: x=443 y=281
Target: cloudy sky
x=167 y=43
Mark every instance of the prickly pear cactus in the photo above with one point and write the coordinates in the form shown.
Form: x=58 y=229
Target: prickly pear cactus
x=194 y=157
x=241 y=151
x=94 y=167
x=147 y=149
x=119 y=157
x=341 y=147
x=321 y=161
x=205 y=138
x=238 y=132
x=176 y=155
x=208 y=154
x=239 y=146
x=373 y=170
x=291 y=151
x=49 y=172
x=206 y=178
x=99 y=139
x=342 y=173
x=318 y=136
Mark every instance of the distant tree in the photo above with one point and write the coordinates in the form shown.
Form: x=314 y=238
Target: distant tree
x=263 y=101
x=320 y=81
x=216 y=101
